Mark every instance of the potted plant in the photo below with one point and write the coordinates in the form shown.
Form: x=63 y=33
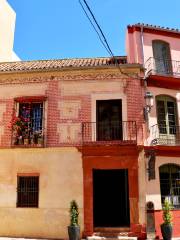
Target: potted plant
x=74 y=229
x=17 y=126
x=166 y=226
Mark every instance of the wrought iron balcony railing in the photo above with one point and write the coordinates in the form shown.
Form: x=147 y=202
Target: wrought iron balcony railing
x=110 y=132
x=173 y=199
x=162 y=67
x=165 y=135
x=28 y=138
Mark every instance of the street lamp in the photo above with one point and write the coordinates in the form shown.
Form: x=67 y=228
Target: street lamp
x=149 y=104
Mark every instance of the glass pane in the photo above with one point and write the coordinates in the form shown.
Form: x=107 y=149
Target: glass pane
x=161 y=53
x=170 y=183
x=161 y=116
x=109 y=117
x=171 y=117
x=37 y=116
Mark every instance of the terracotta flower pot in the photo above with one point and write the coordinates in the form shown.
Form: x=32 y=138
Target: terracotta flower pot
x=26 y=141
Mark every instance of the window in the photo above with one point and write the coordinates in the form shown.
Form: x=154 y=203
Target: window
x=28 y=123
x=166 y=115
x=170 y=184
x=162 y=57
x=27 y=191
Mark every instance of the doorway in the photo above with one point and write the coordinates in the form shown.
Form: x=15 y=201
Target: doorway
x=109 y=120
x=111 y=198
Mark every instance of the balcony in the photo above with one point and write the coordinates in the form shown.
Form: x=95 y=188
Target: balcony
x=164 y=67
x=165 y=135
x=28 y=139
x=109 y=133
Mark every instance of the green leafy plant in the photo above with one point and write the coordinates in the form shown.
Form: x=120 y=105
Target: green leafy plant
x=74 y=213
x=167 y=215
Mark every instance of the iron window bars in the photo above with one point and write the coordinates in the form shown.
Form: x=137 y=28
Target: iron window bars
x=27 y=191
x=28 y=126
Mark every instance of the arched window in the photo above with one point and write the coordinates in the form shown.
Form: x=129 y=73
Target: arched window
x=169 y=175
x=162 y=57
x=166 y=117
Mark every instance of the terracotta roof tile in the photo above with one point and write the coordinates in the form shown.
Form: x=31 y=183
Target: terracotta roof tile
x=59 y=64
x=150 y=26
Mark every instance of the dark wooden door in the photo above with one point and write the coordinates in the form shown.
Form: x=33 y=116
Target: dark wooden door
x=109 y=120
x=111 y=198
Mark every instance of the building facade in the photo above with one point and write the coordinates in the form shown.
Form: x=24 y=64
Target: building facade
x=7 y=23
x=70 y=129
x=158 y=49
x=102 y=131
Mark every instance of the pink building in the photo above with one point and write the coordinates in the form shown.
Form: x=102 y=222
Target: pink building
x=158 y=49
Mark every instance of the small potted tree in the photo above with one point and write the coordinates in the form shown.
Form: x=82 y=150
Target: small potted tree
x=166 y=226
x=74 y=229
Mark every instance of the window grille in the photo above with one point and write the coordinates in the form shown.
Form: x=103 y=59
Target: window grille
x=28 y=125
x=27 y=191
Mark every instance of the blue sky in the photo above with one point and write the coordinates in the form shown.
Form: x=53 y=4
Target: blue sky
x=53 y=29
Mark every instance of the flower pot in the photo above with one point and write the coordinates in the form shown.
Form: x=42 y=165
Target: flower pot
x=20 y=140
x=166 y=230
x=74 y=232
x=40 y=140
x=26 y=141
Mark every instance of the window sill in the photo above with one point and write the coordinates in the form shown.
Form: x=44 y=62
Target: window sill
x=27 y=146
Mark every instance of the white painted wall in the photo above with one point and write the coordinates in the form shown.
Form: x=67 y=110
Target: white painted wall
x=7 y=27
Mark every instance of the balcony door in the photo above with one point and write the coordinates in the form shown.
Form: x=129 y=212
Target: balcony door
x=166 y=117
x=109 y=120
x=162 y=57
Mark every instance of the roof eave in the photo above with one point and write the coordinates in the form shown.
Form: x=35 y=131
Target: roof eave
x=128 y=65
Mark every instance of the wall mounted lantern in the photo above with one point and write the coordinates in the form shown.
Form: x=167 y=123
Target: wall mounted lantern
x=149 y=104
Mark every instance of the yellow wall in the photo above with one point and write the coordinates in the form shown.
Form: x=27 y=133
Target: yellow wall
x=61 y=181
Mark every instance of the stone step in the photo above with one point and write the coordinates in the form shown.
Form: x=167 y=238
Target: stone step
x=111 y=238
x=111 y=234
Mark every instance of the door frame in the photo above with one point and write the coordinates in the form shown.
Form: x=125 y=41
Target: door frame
x=119 y=101
x=115 y=161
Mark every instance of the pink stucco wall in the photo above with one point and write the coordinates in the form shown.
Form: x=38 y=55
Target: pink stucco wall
x=134 y=46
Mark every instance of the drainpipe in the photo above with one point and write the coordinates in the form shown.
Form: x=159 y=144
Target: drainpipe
x=142 y=54
x=142 y=44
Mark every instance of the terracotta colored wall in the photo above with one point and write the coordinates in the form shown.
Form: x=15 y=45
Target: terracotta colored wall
x=176 y=223
x=98 y=158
